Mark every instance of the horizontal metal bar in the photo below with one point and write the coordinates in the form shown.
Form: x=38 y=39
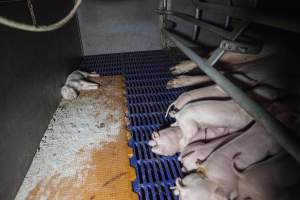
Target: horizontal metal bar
x=289 y=141
x=252 y=15
x=188 y=18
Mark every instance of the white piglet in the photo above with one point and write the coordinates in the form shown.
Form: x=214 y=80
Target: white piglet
x=76 y=82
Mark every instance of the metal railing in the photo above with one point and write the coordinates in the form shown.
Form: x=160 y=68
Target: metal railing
x=288 y=140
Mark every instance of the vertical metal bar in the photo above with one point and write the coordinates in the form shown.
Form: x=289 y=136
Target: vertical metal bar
x=163 y=19
x=165 y=4
x=31 y=10
x=289 y=141
x=196 y=27
x=165 y=7
x=228 y=18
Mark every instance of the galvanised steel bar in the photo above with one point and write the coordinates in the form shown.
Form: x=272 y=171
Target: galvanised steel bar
x=289 y=141
x=196 y=27
x=252 y=15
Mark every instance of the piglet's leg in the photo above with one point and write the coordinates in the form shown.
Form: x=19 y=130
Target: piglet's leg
x=93 y=74
x=183 y=81
x=88 y=85
x=183 y=67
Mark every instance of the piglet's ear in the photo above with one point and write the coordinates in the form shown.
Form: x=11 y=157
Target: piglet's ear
x=179 y=183
x=219 y=194
x=155 y=135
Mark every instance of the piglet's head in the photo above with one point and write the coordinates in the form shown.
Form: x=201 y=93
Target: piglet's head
x=195 y=186
x=68 y=93
x=155 y=137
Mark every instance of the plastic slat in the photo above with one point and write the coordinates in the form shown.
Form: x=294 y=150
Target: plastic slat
x=146 y=75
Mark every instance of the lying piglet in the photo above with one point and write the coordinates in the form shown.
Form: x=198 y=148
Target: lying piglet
x=213 y=91
x=260 y=93
x=250 y=147
x=189 y=188
x=226 y=115
x=197 y=152
x=166 y=142
x=229 y=58
x=184 y=81
x=268 y=180
x=76 y=82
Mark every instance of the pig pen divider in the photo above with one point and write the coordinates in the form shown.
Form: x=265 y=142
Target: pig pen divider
x=289 y=141
x=146 y=75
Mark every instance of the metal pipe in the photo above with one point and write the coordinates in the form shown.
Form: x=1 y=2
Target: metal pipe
x=164 y=7
x=289 y=141
x=252 y=15
x=165 y=4
x=196 y=27
x=228 y=18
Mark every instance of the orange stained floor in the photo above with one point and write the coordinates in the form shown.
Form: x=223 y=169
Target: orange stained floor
x=110 y=176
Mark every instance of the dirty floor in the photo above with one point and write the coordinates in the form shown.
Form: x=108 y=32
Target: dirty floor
x=84 y=153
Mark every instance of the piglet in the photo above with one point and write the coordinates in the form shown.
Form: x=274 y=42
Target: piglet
x=229 y=58
x=268 y=179
x=166 y=142
x=260 y=93
x=249 y=147
x=189 y=188
x=184 y=80
x=213 y=91
x=197 y=152
x=76 y=82
x=226 y=115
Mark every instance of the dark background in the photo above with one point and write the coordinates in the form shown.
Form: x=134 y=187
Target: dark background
x=33 y=67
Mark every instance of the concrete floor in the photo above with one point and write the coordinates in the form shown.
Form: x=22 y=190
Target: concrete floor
x=113 y=26
x=84 y=152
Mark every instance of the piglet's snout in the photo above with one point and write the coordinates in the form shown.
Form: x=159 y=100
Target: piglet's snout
x=152 y=143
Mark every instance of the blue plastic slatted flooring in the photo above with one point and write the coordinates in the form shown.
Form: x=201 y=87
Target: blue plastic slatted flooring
x=146 y=74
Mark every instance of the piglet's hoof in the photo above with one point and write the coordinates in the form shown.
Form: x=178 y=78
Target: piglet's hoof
x=171 y=84
x=152 y=143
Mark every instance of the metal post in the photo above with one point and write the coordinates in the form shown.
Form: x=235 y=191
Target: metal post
x=163 y=18
x=165 y=5
x=227 y=21
x=196 y=27
x=289 y=141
